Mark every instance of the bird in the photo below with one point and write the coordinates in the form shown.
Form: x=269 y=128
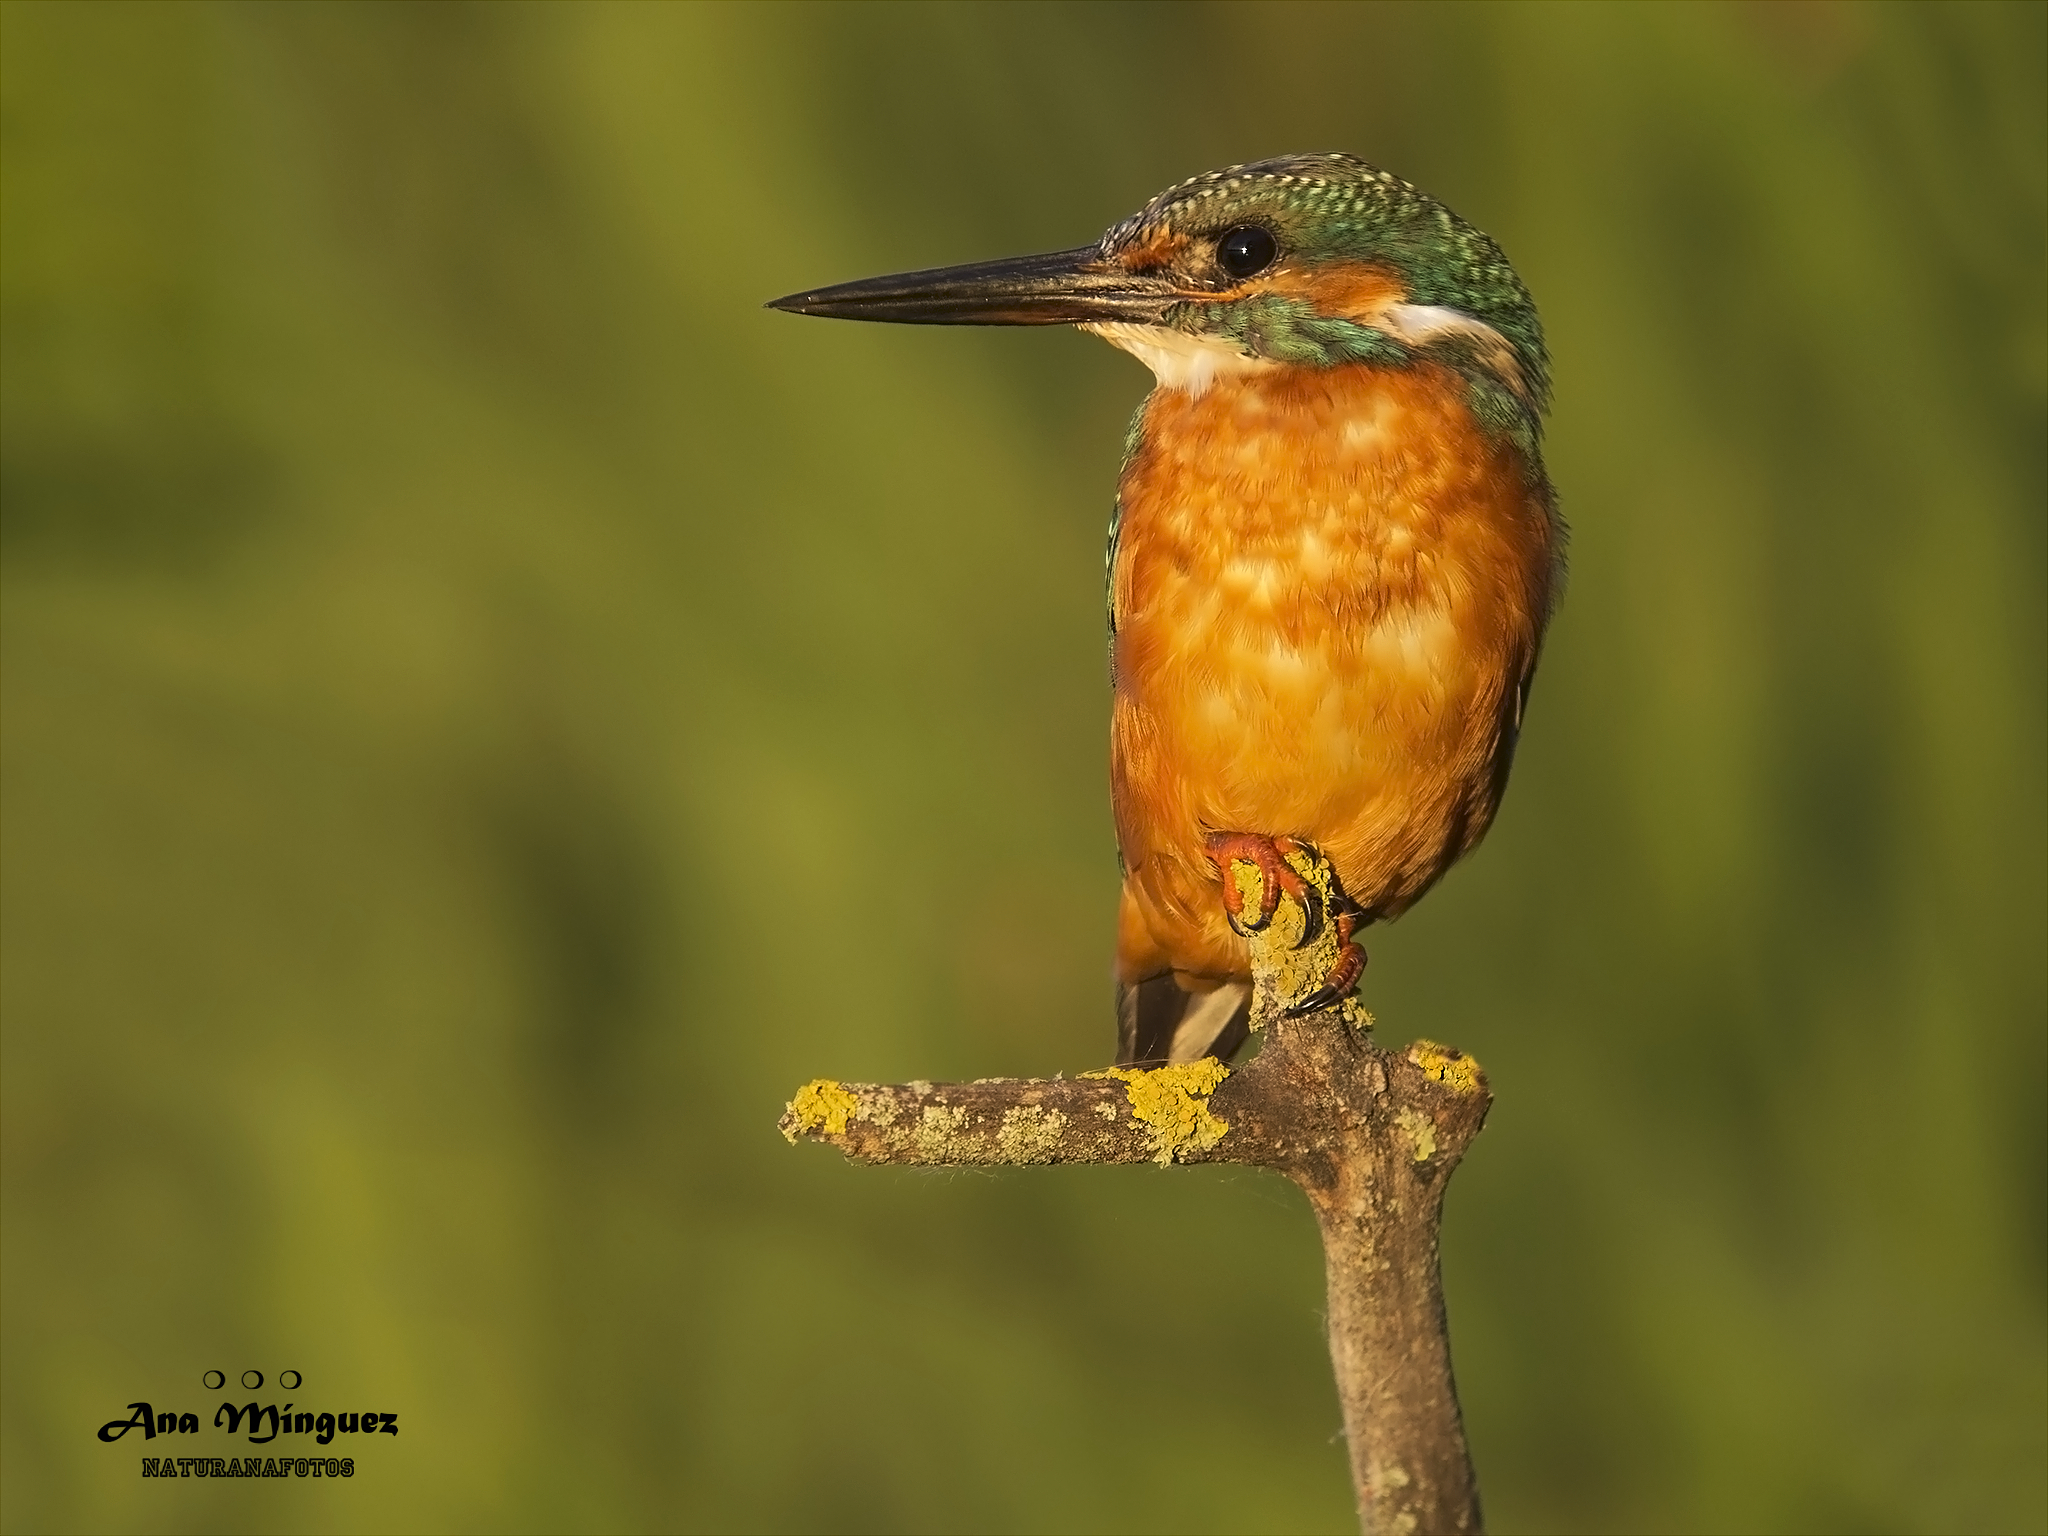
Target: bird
x=1332 y=558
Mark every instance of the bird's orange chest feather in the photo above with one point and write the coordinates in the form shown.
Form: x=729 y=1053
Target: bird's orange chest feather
x=1327 y=585
x=1301 y=499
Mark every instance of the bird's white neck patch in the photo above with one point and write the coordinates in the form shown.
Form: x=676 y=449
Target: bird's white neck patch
x=1178 y=360
x=1418 y=324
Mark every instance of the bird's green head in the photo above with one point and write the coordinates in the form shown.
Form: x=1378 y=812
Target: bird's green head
x=1312 y=261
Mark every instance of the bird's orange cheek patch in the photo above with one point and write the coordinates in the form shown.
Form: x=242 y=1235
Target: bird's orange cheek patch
x=1349 y=290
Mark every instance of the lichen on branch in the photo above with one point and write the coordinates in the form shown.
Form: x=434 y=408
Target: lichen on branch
x=1371 y=1136
x=1174 y=1102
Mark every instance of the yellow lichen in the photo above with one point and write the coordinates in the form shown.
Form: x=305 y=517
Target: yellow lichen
x=938 y=1137
x=1173 y=1104
x=1421 y=1130
x=819 y=1105
x=1030 y=1133
x=1449 y=1066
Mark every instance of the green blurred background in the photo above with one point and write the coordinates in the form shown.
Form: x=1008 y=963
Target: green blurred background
x=489 y=711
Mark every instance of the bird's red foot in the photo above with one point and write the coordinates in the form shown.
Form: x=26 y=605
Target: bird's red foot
x=1268 y=855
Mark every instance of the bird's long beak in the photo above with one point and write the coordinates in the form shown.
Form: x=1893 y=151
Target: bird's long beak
x=1060 y=288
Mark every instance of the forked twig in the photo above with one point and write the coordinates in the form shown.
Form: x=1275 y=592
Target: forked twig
x=1369 y=1135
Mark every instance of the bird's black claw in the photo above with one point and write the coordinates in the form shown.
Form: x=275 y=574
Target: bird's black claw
x=1311 y=915
x=1323 y=997
x=1246 y=930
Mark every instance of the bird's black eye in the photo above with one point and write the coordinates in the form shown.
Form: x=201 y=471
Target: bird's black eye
x=1246 y=250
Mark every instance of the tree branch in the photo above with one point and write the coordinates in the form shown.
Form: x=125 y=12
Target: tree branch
x=1369 y=1135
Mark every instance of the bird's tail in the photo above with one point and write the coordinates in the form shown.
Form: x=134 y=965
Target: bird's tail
x=1163 y=1020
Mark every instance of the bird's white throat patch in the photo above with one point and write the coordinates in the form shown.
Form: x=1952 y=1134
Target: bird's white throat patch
x=1193 y=363
x=1178 y=360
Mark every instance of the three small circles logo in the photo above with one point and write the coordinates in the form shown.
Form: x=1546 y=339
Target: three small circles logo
x=289 y=1380
x=266 y=1423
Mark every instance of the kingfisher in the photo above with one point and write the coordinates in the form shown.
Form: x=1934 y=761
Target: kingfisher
x=1333 y=555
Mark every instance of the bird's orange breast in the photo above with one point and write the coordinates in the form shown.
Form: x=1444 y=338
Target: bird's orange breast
x=1329 y=586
